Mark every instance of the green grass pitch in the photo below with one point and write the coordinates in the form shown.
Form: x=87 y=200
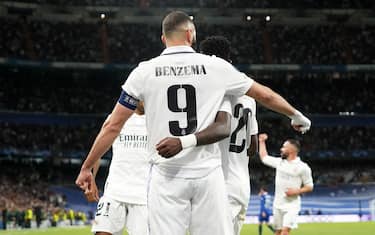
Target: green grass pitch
x=362 y=228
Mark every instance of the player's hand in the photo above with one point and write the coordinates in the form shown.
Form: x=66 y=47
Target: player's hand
x=168 y=147
x=292 y=192
x=92 y=192
x=300 y=122
x=262 y=137
x=84 y=179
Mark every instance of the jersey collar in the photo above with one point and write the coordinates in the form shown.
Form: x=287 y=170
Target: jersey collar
x=177 y=50
x=296 y=160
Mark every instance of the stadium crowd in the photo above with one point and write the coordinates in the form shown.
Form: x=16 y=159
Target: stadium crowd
x=211 y=3
x=26 y=199
x=57 y=93
x=35 y=140
x=26 y=196
x=88 y=42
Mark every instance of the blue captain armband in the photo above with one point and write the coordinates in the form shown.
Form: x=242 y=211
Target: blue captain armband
x=128 y=100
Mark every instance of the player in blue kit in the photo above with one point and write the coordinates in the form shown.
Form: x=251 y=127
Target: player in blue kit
x=265 y=210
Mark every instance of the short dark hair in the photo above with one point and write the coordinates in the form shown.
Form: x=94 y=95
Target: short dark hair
x=173 y=20
x=296 y=143
x=264 y=188
x=216 y=45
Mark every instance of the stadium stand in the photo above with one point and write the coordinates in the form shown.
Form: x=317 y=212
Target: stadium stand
x=61 y=76
x=78 y=91
x=212 y=3
x=81 y=41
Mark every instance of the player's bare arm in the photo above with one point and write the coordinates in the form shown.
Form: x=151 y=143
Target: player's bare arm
x=102 y=143
x=92 y=193
x=262 y=145
x=220 y=129
x=253 y=149
x=277 y=103
x=298 y=191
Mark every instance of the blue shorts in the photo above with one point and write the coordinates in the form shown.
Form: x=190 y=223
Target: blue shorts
x=264 y=216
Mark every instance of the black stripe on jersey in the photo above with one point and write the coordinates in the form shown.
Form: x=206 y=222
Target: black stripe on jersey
x=179 y=52
x=128 y=100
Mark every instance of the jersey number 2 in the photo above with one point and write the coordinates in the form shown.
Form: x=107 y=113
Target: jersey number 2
x=190 y=109
x=242 y=122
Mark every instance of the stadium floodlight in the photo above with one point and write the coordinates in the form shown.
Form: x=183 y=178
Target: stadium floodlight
x=102 y=16
x=268 y=18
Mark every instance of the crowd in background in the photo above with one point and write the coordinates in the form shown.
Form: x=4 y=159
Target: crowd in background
x=126 y=43
x=63 y=141
x=46 y=140
x=329 y=173
x=213 y=3
x=338 y=154
x=26 y=199
x=51 y=93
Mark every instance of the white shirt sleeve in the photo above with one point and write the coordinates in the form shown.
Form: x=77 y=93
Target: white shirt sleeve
x=307 y=179
x=239 y=84
x=134 y=84
x=226 y=105
x=271 y=161
x=236 y=83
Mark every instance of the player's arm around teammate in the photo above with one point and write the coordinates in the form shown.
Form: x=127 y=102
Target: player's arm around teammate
x=220 y=129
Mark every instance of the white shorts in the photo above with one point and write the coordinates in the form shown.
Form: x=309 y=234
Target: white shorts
x=238 y=215
x=198 y=205
x=285 y=218
x=113 y=216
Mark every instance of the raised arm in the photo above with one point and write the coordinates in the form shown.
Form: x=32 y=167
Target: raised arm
x=262 y=146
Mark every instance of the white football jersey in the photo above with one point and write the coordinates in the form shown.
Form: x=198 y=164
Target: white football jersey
x=129 y=169
x=182 y=91
x=234 y=148
x=289 y=174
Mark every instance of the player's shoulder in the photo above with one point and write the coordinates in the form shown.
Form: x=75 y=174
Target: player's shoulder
x=214 y=60
x=147 y=63
x=304 y=165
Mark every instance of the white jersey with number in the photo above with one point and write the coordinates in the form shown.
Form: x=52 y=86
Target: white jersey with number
x=289 y=174
x=182 y=91
x=234 y=148
x=128 y=173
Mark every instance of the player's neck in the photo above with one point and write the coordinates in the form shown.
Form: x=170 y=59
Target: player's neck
x=172 y=43
x=291 y=158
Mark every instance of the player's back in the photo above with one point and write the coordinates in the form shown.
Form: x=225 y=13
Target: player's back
x=128 y=173
x=234 y=148
x=182 y=91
